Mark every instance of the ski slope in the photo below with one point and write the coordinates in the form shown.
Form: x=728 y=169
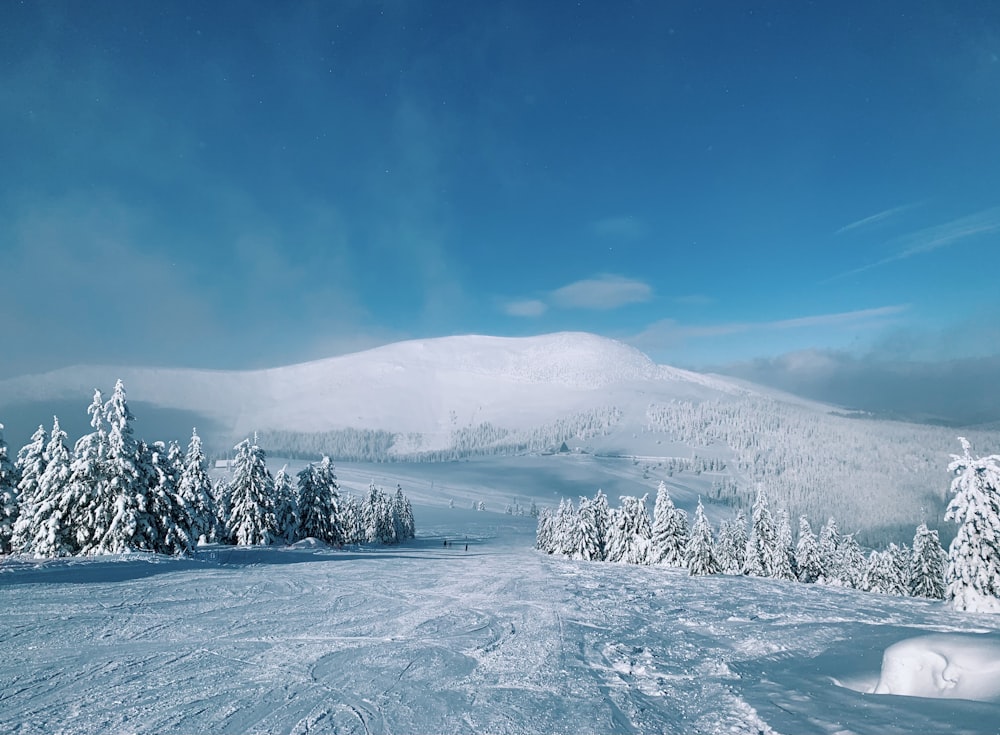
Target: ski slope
x=428 y=638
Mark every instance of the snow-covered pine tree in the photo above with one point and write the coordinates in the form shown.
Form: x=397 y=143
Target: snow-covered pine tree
x=973 y=573
x=402 y=510
x=602 y=521
x=669 y=531
x=544 y=536
x=250 y=498
x=586 y=542
x=700 y=552
x=564 y=528
x=30 y=465
x=632 y=538
x=784 y=553
x=9 y=505
x=882 y=573
x=286 y=513
x=927 y=564
x=900 y=554
x=851 y=563
x=731 y=548
x=50 y=533
x=131 y=526
x=354 y=521
x=196 y=491
x=378 y=517
x=172 y=522
x=763 y=541
x=828 y=552
x=807 y=556
x=319 y=504
x=90 y=504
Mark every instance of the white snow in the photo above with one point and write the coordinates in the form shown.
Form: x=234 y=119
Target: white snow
x=426 y=638
x=947 y=665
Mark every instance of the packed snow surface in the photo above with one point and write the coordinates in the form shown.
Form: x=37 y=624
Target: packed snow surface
x=943 y=665
x=435 y=637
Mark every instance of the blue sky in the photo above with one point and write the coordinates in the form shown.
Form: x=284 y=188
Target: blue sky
x=246 y=184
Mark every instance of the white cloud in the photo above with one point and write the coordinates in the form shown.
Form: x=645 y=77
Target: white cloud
x=877 y=218
x=604 y=292
x=525 y=308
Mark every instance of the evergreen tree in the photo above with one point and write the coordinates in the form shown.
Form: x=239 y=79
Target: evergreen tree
x=807 y=554
x=883 y=574
x=731 y=548
x=50 y=533
x=131 y=526
x=354 y=524
x=378 y=517
x=763 y=541
x=30 y=466
x=195 y=489
x=631 y=537
x=784 y=554
x=286 y=508
x=927 y=564
x=8 y=497
x=250 y=498
x=602 y=521
x=91 y=506
x=586 y=541
x=171 y=531
x=544 y=532
x=700 y=553
x=851 y=563
x=828 y=552
x=564 y=528
x=669 y=532
x=973 y=574
x=319 y=504
x=403 y=513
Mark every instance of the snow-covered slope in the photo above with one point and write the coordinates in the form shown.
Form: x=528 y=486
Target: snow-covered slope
x=431 y=387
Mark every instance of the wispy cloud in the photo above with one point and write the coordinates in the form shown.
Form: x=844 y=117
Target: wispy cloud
x=668 y=332
x=601 y=293
x=625 y=227
x=935 y=238
x=878 y=217
x=525 y=308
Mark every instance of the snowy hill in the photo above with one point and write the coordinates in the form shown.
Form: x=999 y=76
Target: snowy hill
x=460 y=397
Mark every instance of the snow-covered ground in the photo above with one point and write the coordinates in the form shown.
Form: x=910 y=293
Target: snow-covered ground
x=432 y=638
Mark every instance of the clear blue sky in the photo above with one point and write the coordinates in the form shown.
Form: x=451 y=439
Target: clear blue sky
x=234 y=184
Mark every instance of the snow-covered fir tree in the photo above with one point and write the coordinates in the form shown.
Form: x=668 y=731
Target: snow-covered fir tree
x=196 y=491
x=763 y=542
x=807 y=555
x=927 y=564
x=286 y=508
x=49 y=532
x=250 y=498
x=131 y=525
x=784 y=553
x=353 y=520
x=630 y=534
x=564 y=528
x=402 y=508
x=377 y=511
x=545 y=532
x=585 y=541
x=849 y=570
x=8 y=496
x=319 y=503
x=669 y=532
x=700 y=552
x=30 y=465
x=731 y=548
x=883 y=575
x=171 y=518
x=89 y=494
x=973 y=574
x=828 y=551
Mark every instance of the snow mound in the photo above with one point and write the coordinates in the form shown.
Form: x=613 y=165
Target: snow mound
x=943 y=666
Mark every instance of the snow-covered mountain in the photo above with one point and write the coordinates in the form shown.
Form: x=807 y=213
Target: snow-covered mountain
x=428 y=387
x=459 y=397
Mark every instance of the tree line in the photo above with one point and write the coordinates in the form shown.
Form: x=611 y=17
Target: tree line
x=766 y=547
x=113 y=493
